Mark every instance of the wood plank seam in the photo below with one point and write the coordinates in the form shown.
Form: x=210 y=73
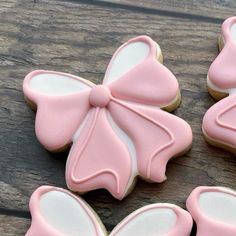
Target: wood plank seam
x=15 y=213
x=150 y=11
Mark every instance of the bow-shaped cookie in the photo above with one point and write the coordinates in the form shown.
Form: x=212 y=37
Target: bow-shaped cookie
x=57 y=212
x=117 y=128
x=219 y=125
x=214 y=211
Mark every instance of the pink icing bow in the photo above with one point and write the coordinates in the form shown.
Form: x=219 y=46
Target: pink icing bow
x=219 y=124
x=116 y=128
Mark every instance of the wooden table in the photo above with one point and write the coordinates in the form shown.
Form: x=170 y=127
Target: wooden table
x=80 y=37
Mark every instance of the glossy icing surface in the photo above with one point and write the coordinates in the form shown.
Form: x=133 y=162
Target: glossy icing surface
x=157 y=222
x=129 y=145
x=63 y=213
x=57 y=212
x=160 y=219
x=219 y=121
x=128 y=57
x=219 y=206
x=111 y=126
x=56 y=84
x=222 y=72
x=213 y=209
x=233 y=31
x=51 y=208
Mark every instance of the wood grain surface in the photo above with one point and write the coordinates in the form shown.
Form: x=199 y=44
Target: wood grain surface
x=79 y=37
x=210 y=10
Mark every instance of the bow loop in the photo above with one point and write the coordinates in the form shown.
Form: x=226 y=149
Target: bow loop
x=98 y=157
x=62 y=103
x=159 y=89
x=51 y=208
x=136 y=74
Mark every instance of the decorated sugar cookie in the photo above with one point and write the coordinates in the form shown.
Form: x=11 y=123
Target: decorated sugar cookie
x=57 y=212
x=117 y=129
x=214 y=211
x=219 y=124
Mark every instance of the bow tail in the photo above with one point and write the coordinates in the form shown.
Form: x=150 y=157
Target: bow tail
x=98 y=158
x=156 y=134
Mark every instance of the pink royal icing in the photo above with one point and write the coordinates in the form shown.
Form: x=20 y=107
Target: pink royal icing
x=213 y=209
x=219 y=121
x=117 y=129
x=51 y=208
x=222 y=72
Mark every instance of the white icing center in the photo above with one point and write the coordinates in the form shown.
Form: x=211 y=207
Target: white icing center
x=233 y=31
x=219 y=206
x=65 y=214
x=55 y=84
x=127 y=58
x=149 y=223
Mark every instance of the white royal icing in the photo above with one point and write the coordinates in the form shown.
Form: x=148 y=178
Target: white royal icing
x=219 y=206
x=126 y=59
x=82 y=125
x=56 y=85
x=214 y=87
x=233 y=31
x=154 y=221
x=65 y=214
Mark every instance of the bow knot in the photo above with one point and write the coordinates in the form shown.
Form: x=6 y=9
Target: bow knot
x=100 y=96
